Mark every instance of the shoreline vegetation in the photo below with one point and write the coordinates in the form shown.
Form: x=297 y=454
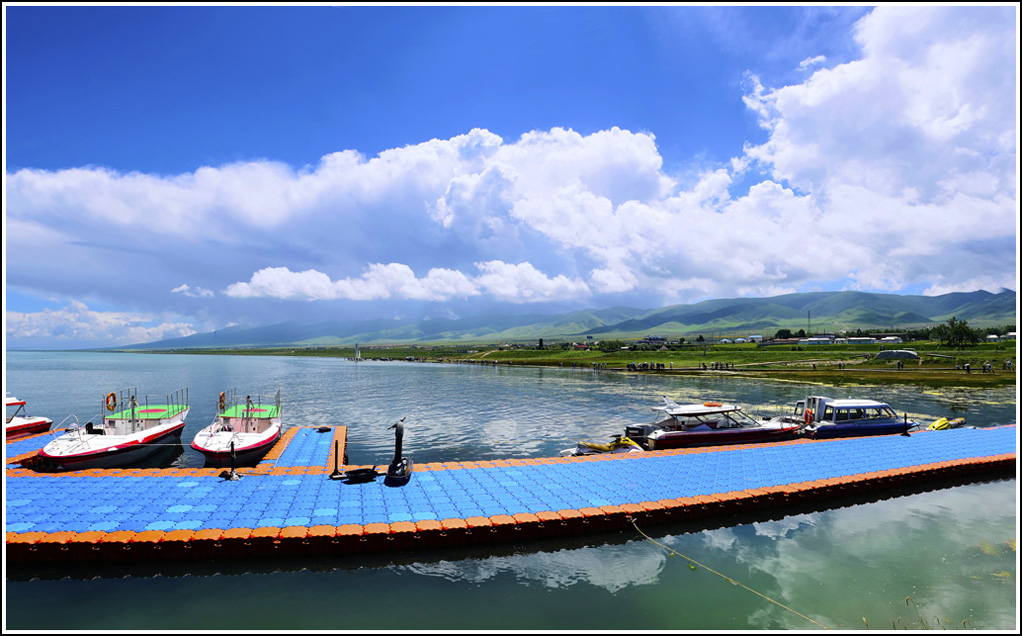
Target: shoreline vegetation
x=986 y=364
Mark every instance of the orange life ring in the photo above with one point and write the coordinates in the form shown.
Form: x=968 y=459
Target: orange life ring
x=223 y=400
x=808 y=416
x=712 y=404
x=111 y=401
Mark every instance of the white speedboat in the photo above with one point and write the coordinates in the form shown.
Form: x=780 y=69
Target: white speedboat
x=20 y=423
x=125 y=435
x=707 y=424
x=241 y=433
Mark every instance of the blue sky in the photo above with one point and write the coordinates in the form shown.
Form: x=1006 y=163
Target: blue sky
x=172 y=170
x=212 y=85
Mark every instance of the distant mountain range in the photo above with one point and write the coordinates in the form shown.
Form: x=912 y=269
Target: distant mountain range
x=815 y=312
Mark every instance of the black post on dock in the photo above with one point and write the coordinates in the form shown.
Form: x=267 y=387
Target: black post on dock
x=232 y=476
x=337 y=452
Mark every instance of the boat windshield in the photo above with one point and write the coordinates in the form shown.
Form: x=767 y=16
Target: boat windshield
x=737 y=419
x=18 y=412
x=718 y=420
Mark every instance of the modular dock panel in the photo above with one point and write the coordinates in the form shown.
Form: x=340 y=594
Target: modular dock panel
x=296 y=502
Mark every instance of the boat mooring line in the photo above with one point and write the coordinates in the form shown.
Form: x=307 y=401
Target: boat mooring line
x=723 y=576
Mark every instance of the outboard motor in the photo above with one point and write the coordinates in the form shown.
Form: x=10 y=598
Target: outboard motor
x=400 y=469
x=639 y=433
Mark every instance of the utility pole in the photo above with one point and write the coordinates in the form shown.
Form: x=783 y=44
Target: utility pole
x=809 y=324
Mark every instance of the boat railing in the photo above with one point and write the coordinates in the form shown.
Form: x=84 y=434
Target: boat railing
x=226 y=400
x=258 y=401
x=127 y=414
x=128 y=401
x=777 y=410
x=115 y=402
x=248 y=420
x=20 y=409
x=229 y=399
x=64 y=427
x=177 y=401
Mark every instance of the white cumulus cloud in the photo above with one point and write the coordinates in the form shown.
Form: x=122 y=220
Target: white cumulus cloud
x=75 y=325
x=504 y=281
x=196 y=292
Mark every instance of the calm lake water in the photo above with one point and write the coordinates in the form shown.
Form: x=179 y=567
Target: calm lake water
x=950 y=549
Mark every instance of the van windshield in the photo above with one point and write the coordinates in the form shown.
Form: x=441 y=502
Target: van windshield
x=846 y=414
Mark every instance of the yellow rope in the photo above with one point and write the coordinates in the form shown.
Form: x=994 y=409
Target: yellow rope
x=726 y=578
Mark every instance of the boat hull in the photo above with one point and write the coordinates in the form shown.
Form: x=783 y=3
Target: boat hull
x=690 y=439
x=834 y=431
x=24 y=426
x=80 y=452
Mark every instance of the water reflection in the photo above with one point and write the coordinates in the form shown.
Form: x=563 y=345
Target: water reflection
x=610 y=567
x=925 y=548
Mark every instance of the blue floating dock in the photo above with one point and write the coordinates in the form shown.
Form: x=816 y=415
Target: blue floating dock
x=289 y=503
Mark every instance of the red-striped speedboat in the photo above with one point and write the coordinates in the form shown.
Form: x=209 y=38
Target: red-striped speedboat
x=706 y=424
x=20 y=423
x=124 y=436
x=241 y=433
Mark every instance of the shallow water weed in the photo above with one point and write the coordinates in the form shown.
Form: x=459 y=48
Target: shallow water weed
x=922 y=623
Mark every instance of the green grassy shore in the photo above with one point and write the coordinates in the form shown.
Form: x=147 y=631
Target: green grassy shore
x=827 y=364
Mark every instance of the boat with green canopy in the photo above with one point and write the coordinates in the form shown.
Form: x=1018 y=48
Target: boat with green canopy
x=129 y=430
x=242 y=432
